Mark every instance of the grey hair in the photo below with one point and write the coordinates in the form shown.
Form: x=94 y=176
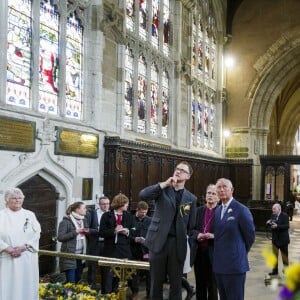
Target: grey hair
x=11 y=192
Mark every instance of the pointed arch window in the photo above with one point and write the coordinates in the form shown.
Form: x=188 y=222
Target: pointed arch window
x=36 y=80
x=148 y=66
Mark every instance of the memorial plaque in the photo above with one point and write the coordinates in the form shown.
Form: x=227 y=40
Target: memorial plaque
x=17 y=135
x=76 y=143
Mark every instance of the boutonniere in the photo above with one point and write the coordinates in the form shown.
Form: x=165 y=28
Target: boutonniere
x=184 y=209
x=229 y=210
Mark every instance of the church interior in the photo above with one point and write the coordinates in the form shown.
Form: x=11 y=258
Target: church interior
x=99 y=97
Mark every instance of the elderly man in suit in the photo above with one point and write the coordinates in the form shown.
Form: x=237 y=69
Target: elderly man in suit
x=280 y=225
x=174 y=216
x=234 y=235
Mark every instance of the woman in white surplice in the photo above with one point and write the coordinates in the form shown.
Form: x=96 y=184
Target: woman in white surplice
x=19 y=242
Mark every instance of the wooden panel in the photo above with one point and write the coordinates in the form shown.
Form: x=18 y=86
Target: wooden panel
x=242 y=181
x=125 y=174
x=130 y=166
x=138 y=177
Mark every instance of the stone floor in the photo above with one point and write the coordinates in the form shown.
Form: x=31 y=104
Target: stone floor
x=255 y=282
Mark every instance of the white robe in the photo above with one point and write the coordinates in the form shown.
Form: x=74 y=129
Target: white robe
x=19 y=277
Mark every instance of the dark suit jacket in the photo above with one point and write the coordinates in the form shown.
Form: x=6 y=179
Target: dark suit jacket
x=93 y=235
x=121 y=249
x=280 y=234
x=193 y=237
x=234 y=236
x=140 y=230
x=164 y=214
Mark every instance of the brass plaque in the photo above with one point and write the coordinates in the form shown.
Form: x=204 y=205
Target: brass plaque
x=76 y=143
x=17 y=135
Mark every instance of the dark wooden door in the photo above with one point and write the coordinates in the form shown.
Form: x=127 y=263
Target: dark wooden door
x=40 y=197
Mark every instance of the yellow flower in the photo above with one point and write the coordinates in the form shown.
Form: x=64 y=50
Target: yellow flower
x=292 y=279
x=270 y=257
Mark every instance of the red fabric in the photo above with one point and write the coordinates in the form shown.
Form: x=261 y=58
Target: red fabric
x=119 y=219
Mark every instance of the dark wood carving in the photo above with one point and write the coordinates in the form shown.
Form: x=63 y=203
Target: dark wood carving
x=130 y=166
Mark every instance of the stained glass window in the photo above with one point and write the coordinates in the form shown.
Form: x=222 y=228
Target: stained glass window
x=73 y=68
x=128 y=89
x=48 y=60
x=147 y=67
x=142 y=93
x=204 y=61
x=18 y=53
x=154 y=100
x=130 y=14
x=165 y=104
x=33 y=57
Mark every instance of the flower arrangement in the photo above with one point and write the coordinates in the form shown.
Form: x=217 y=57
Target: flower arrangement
x=290 y=285
x=69 y=291
x=184 y=209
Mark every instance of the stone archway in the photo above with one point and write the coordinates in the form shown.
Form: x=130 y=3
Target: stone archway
x=275 y=69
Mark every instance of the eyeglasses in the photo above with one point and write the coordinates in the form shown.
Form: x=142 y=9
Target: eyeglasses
x=182 y=171
x=16 y=198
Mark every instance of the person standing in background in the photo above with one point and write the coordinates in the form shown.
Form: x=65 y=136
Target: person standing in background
x=95 y=242
x=72 y=232
x=280 y=225
x=115 y=228
x=174 y=216
x=19 y=244
x=203 y=247
x=139 y=251
x=234 y=235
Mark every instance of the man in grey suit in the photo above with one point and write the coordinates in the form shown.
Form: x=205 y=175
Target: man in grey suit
x=174 y=216
x=234 y=236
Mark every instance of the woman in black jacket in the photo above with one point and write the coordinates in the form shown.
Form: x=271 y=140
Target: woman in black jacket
x=115 y=227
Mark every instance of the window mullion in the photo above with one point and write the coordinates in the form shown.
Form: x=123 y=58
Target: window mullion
x=62 y=60
x=35 y=56
x=3 y=52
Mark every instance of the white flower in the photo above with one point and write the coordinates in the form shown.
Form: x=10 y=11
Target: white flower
x=229 y=210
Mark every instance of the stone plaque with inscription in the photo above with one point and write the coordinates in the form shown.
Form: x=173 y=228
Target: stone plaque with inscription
x=17 y=135
x=76 y=143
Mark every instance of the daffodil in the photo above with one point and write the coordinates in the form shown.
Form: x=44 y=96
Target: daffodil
x=270 y=257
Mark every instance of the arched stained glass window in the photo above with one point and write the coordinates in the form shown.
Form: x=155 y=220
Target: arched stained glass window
x=204 y=61
x=18 y=53
x=147 y=67
x=34 y=52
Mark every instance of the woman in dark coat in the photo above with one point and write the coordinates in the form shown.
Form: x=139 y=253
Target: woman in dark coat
x=115 y=226
x=71 y=233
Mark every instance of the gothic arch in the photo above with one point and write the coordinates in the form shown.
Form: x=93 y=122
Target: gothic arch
x=279 y=65
x=47 y=168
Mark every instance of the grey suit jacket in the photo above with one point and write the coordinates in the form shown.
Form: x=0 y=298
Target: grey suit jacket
x=164 y=214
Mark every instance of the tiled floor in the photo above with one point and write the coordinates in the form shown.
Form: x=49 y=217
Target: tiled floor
x=255 y=283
